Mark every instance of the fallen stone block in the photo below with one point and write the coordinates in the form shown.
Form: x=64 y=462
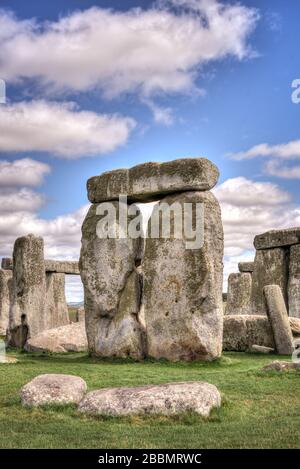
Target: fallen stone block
x=295 y=325
x=69 y=338
x=239 y=293
x=152 y=181
x=281 y=366
x=261 y=349
x=279 y=320
x=277 y=238
x=241 y=332
x=165 y=399
x=246 y=267
x=55 y=389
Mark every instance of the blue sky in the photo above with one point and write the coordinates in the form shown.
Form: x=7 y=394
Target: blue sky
x=232 y=102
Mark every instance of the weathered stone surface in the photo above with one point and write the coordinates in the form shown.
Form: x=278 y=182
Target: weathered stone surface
x=261 y=349
x=55 y=303
x=5 y=298
x=80 y=314
x=243 y=331
x=294 y=282
x=279 y=319
x=281 y=366
x=277 y=238
x=112 y=291
x=56 y=389
x=70 y=338
x=182 y=293
x=246 y=267
x=60 y=267
x=28 y=315
x=295 y=325
x=7 y=263
x=151 y=181
x=239 y=293
x=270 y=268
x=165 y=399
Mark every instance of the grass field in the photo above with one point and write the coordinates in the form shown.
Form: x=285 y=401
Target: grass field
x=259 y=410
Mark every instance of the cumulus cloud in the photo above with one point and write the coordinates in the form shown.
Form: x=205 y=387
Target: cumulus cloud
x=20 y=200
x=147 y=51
x=250 y=208
x=23 y=172
x=61 y=129
x=288 y=151
x=275 y=168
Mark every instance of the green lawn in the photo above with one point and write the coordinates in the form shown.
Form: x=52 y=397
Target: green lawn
x=259 y=410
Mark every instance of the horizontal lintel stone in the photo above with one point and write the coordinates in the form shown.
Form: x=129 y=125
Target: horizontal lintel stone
x=277 y=238
x=62 y=267
x=151 y=181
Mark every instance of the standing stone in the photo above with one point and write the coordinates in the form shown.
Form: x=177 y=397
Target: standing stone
x=112 y=289
x=270 y=268
x=55 y=303
x=239 y=293
x=294 y=282
x=5 y=298
x=183 y=288
x=80 y=314
x=279 y=319
x=28 y=312
x=147 y=182
x=242 y=331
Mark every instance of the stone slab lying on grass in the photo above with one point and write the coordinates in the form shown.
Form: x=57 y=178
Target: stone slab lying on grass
x=69 y=338
x=8 y=360
x=56 y=389
x=241 y=331
x=261 y=349
x=165 y=399
x=281 y=366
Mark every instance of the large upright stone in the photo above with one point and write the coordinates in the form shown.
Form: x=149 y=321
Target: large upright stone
x=183 y=288
x=270 y=268
x=277 y=238
x=56 y=306
x=112 y=290
x=294 y=282
x=279 y=319
x=5 y=298
x=151 y=181
x=239 y=293
x=28 y=312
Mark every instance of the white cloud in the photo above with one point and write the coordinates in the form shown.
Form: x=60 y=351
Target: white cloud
x=290 y=150
x=146 y=51
x=23 y=172
x=250 y=208
x=243 y=192
x=61 y=129
x=274 y=168
x=12 y=200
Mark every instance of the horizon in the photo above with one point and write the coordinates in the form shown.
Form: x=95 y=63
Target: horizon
x=199 y=78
